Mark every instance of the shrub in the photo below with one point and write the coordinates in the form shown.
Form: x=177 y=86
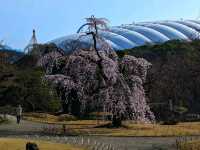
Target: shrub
x=3 y=120
x=31 y=146
x=26 y=87
x=7 y=109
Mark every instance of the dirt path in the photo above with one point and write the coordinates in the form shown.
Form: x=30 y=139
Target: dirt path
x=34 y=130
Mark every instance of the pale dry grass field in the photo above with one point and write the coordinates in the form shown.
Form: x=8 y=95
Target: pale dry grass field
x=156 y=130
x=85 y=127
x=20 y=144
x=40 y=117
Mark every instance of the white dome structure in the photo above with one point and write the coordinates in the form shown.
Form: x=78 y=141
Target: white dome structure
x=138 y=34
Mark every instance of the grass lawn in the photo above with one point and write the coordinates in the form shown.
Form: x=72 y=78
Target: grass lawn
x=85 y=127
x=181 y=129
x=20 y=144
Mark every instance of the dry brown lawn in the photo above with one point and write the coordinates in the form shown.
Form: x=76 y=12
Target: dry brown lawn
x=86 y=127
x=19 y=144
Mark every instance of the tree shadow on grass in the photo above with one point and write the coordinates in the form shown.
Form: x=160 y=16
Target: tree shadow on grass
x=111 y=126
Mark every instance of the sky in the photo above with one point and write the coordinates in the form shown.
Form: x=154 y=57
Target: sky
x=56 y=18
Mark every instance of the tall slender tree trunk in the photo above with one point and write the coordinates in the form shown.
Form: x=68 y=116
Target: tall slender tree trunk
x=116 y=121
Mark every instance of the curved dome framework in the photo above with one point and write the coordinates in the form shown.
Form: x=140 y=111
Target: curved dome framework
x=133 y=35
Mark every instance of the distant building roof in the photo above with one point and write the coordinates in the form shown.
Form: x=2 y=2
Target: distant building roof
x=138 y=34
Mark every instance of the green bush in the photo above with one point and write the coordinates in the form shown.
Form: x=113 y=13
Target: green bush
x=3 y=120
x=26 y=86
x=7 y=109
x=53 y=105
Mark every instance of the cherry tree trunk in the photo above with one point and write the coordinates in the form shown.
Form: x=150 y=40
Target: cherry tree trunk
x=116 y=121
